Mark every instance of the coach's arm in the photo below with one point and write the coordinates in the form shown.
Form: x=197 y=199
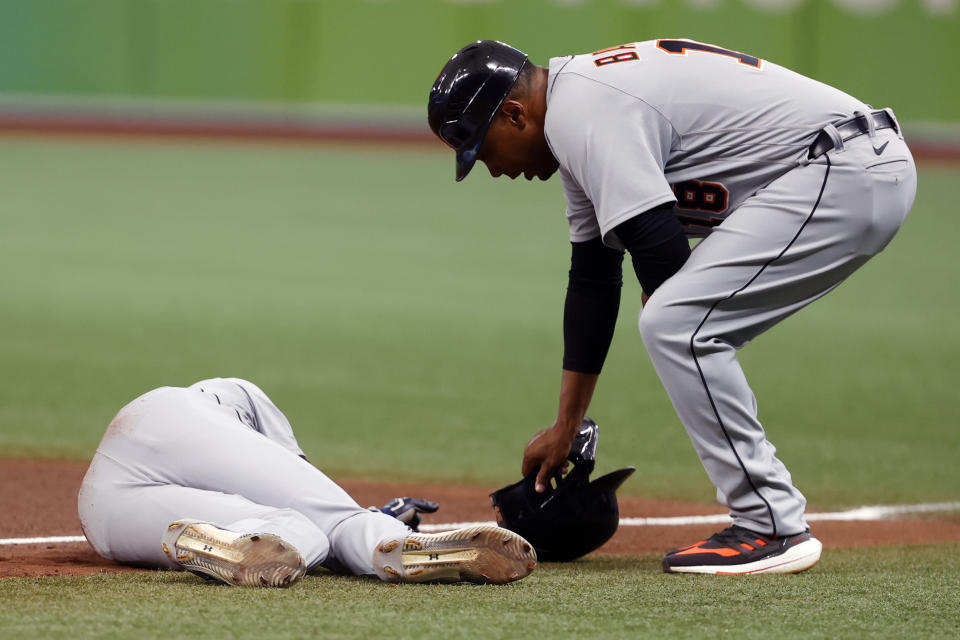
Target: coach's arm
x=658 y=248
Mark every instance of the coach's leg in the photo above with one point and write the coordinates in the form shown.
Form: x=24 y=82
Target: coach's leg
x=788 y=245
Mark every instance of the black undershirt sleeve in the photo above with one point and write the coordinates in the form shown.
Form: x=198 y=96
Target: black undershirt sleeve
x=591 y=306
x=657 y=244
x=658 y=248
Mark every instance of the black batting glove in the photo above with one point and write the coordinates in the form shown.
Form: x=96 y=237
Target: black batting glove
x=408 y=510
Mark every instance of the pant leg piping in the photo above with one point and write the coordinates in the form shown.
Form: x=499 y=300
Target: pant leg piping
x=696 y=361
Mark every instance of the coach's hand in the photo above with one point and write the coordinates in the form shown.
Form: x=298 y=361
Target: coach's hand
x=548 y=449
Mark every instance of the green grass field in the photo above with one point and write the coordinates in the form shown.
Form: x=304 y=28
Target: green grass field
x=896 y=592
x=410 y=328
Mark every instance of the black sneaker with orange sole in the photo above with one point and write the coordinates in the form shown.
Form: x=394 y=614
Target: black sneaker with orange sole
x=739 y=551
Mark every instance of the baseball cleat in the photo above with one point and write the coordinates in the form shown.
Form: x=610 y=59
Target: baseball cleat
x=250 y=560
x=739 y=551
x=483 y=554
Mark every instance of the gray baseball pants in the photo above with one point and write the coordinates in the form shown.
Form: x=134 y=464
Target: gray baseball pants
x=784 y=247
x=177 y=454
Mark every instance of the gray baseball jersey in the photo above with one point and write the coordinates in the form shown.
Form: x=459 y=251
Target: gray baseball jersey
x=727 y=137
x=648 y=123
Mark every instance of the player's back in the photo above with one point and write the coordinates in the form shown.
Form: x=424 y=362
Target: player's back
x=725 y=117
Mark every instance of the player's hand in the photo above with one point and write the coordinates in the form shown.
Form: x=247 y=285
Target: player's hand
x=548 y=450
x=408 y=510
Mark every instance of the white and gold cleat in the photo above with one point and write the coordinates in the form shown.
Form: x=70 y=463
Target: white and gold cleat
x=250 y=560
x=483 y=554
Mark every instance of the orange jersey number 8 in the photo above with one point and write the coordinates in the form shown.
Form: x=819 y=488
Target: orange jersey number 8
x=623 y=53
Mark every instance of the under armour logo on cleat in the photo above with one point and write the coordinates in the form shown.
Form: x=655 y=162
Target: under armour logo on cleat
x=879 y=150
x=434 y=556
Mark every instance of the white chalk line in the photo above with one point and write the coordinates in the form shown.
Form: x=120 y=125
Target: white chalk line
x=51 y=540
x=878 y=512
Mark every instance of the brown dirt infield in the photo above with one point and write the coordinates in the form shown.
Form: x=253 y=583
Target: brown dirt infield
x=39 y=500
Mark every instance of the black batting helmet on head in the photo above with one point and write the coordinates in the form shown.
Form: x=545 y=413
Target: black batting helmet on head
x=467 y=93
x=573 y=518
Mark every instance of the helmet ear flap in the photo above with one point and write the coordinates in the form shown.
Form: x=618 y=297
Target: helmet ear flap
x=583 y=451
x=583 y=455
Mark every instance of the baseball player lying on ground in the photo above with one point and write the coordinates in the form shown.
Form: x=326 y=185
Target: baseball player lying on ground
x=793 y=185
x=210 y=479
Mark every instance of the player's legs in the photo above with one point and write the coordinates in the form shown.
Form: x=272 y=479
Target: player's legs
x=253 y=407
x=126 y=519
x=353 y=531
x=791 y=243
x=352 y=536
x=182 y=438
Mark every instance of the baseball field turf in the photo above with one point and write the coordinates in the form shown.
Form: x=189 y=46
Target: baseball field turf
x=410 y=329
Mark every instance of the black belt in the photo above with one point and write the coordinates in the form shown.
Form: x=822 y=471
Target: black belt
x=851 y=128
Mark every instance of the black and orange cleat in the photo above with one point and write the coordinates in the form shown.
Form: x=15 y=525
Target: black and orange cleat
x=739 y=551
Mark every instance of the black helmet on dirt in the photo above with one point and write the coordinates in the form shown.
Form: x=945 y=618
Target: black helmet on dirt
x=572 y=518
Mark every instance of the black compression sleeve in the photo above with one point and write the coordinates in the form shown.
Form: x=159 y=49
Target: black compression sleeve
x=657 y=244
x=591 y=306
